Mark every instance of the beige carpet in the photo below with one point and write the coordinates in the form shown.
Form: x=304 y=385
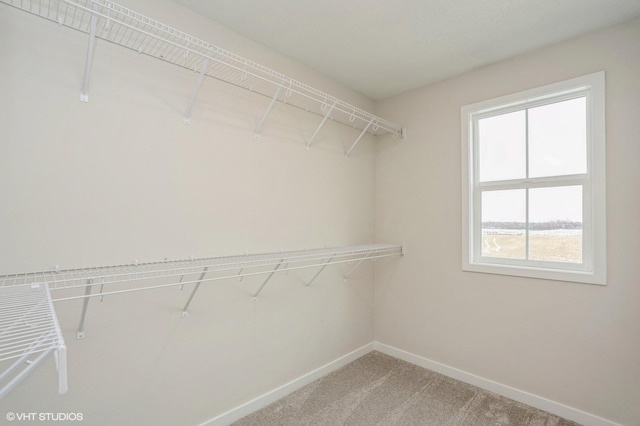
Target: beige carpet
x=381 y=390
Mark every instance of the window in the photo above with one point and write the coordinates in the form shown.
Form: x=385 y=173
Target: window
x=534 y=183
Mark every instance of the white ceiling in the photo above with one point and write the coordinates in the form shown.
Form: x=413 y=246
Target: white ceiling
x=384 y=47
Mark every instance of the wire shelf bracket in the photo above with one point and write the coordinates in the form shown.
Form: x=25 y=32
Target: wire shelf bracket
x=324 y=265
x=360 y=137
x=111 y=22
x=192 y=101
x=193 y=292
x=255 y=296
x=84 y=92
x=269 y=108
x=324 y=120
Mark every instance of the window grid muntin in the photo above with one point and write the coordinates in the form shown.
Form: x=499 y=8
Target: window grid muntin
x=527 y=183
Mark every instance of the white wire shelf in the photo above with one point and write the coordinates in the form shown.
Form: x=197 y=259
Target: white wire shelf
x=29 y=333
x=29 y=329
x=144 y=276
x=114 y=23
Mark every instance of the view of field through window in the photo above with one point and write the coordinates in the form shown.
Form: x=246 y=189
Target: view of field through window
x=551 y=242
x=542 y=223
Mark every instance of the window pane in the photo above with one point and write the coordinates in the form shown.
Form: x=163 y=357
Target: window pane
x=555 y=224
x=558 y=138
x=502 y=147
x=503 y=223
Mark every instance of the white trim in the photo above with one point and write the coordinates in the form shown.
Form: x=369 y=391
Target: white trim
x=593 y=268
x=262 y=401
x=582 y=417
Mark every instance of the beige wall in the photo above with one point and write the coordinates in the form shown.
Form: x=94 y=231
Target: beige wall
x=122 y=178
x=575 y=344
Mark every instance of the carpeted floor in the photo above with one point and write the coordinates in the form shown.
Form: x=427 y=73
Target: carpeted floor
x=381 y=390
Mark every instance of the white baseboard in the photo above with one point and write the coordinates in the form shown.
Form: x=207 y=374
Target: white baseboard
x=536 y=401
x=262 y=401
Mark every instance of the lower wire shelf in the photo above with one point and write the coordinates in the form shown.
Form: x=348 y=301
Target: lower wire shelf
x=29 y=333
x=29 y=329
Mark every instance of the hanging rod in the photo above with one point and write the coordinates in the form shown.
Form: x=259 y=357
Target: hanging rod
x=114 y=23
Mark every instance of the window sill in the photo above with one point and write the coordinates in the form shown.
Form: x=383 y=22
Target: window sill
x=585 y=277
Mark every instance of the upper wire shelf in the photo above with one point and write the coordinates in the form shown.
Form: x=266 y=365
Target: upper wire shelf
x=117 y=24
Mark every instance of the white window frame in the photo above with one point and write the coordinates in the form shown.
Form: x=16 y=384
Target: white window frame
x=592 y=270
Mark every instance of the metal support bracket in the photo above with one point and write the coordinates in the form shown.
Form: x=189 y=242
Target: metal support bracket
x=193 y=293
x=85 y=305
x=356 y=267
x=264 y=117
x=326 y=116
x=360 y=137
x=320 y=271
x=255 y=296
x=84 y=92
x=192 y=101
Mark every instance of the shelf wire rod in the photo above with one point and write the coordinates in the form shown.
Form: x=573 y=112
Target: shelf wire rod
x=34 y=316
x=194 y=96
x=359 y=137
x=320 y=271
x=181 y=266
x=118 y=271
x=193 y=293
x=125 y=36
x=229 y=265
x=9 y=341
x=264 y=117
x=80 y=333
x=20 y=376
x=173 y=55
x=226 y=277
x=163 y=51
x=255 y=296
x=137 y=33
x=21 y=319
x=75 y=13
x=84 y=92
x=42 y=344
x=60 y=353
x=17 y=341
x=355 y=267
x=58 y=19
x=324 y=120
x=31 y=350
x=168 y=273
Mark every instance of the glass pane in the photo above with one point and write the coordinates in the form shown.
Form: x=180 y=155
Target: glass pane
x=503 y=223
x=555 y=224
x=558 y=138
x=502 y=147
